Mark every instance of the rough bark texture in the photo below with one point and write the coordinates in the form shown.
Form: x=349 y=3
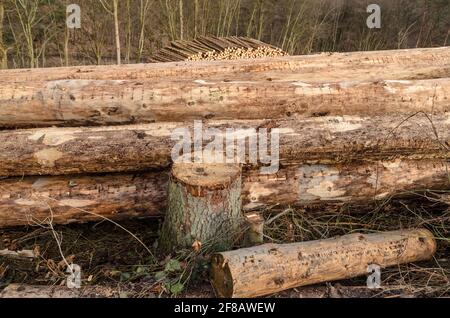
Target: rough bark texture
x=81 y=198
x=395 y=64
x=23 y=200
x=204 y=206
x=85 y=102
x=271 y=268
x=29 y=291
x=329 y=291
x=326 y=140
x=254 y=234
x=348 y=183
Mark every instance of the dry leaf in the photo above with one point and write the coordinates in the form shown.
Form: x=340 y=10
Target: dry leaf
x=197 y=245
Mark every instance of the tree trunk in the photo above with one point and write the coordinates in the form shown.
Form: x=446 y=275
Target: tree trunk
x=30 y=201
x=196 y=21
x=3 y=48
x=117 y=30
x=91 y=198
x=336 y=67
x=270 y=268
x=324 y=140
x=181 y=20
x=86 y=103
x=204 y=207
x=97 y=291
x=254 y=224
x=317 y=185
x=29 y=291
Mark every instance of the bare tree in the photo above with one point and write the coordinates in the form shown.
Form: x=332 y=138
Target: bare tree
x=3 y=48
x=128 y=32
x=181 y=20
x=26 y=11
x=114 y=11
x=195 y=18
x=143 y=11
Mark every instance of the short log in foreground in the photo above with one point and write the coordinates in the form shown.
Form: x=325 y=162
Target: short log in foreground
x=270 y=268
x=204 y=206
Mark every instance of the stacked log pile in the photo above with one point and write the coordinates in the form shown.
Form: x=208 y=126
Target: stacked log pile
x=211 y=48
x=353 y=127
x=91 y=143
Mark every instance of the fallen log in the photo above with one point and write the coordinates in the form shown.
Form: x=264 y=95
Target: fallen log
x=327 y=140
x=204 y=207
x=375 y=65
x=88 y=103
x=98 y=291
x=78 y=198
x=22 y=254
x=270 y=268
x=321 y=184
x=34 y=201
x=118 y=102
x=30 y=291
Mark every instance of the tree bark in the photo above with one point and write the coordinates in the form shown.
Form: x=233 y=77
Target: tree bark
x=30 y=291
x=31 y=201
x=86 y=102
x=3 y=48
x=319 y=184
x=117 y=30
x=204 y=207
x=254 y=224
x=81 y=198
x=324 y=140
x=270 y=268
x=336 y=291
x=355 y=66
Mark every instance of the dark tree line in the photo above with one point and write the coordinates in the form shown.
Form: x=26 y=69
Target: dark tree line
x=33 y=33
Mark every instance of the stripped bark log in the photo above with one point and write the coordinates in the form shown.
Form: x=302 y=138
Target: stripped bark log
x=204 y=207
x=337 y=291
x=85 y=103
x=326 y=140
x=395 y=64
x=30 y=291
x=81 y=198
x=118 y=196
x=349 y=183
x=270 y=268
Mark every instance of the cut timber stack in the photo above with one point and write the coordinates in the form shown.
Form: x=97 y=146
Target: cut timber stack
x=211 y=48
x=349 y=125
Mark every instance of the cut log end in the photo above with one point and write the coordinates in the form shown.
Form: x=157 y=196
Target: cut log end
x=199 y=178
x=221 y=278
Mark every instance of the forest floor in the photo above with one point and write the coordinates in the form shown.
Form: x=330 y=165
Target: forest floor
x=125 y=258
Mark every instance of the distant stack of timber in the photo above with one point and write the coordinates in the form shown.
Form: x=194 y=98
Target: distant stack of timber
x=211 y=48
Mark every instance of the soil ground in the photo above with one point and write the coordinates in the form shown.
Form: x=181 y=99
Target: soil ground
x=126 y=259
